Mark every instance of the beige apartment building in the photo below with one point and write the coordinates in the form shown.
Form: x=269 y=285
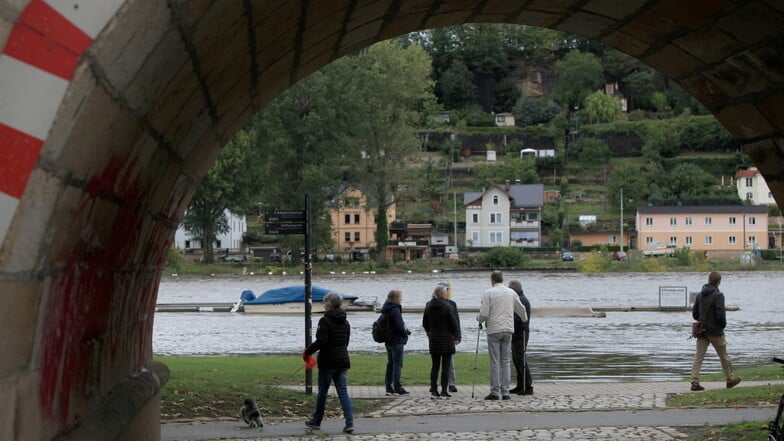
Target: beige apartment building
x=353 y=215
x=704 y=228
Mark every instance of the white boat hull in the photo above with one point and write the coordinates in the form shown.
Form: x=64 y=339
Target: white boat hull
x=287 y=307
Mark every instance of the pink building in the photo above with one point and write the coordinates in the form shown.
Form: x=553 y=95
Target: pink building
x=708 y=228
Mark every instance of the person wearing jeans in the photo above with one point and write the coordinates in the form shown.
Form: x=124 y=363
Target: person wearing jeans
x=332 y=337
x=497 y=310
x=394 y=347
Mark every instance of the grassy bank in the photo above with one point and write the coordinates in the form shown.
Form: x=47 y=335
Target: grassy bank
x=213 y=387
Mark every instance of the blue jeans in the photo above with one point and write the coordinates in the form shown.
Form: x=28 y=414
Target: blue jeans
x=325 y=377
x=499 y=347
x=394 y=367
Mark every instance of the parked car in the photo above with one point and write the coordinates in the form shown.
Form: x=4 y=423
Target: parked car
x=233 y=258
x=275 y=257
x=620 y=255
x=567 y=256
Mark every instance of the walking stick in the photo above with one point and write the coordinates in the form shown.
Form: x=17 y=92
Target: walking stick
x=476 y=356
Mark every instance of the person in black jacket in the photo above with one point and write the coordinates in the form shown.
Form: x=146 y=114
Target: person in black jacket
x=396 y=342
x=458 y=337
x=440 y=323
x=709 y=305
x=332 y=338
x=520 y=345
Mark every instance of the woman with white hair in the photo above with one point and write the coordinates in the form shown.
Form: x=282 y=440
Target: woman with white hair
x=332 y=336
x=440 y=323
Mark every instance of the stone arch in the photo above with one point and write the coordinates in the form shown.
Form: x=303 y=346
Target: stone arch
x=111 y=111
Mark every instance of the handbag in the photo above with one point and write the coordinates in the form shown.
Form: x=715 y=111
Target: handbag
x=698 y=327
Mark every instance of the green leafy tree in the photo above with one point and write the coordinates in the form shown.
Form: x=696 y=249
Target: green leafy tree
x=635 y=184
x=594 y=151
x=660 y=101
x=510 y=167
x=579 y=74
x=230 y=184
x=601 y=108
x=528 y=111
x=456 y=86
x=687 y=180
x=638 y=88
x=393 y=87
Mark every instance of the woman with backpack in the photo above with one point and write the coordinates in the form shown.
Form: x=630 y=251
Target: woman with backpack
x=397 y=339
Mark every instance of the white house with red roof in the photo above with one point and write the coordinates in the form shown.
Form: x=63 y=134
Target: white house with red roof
x=752 y=187
x=504 y=215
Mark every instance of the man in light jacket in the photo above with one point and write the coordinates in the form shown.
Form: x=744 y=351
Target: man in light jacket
x=497 y=310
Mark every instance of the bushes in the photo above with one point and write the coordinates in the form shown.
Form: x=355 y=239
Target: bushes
x=503 y=257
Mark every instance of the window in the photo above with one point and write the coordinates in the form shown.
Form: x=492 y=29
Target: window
x=752 y=240
x=218 y=244
x=496 y=237
x=673 y=240
x=648 y=240
x=708 y=220
x=689 y=240
x=752 y=220
x=673 y=221
x=356 y=218
x=495 y=200
x=687 y=220
x=649 y=221
x=708 y=240
x=749 y=182
x=749 y=196
x=187 y=244
x=613 y=239
x=732 y=240
x=500 y=118
x=495 y=218
x=356 y=236
x=347 y=237
x=475 y=237
x=347 y=219
x=733 y=220
x=475 y=218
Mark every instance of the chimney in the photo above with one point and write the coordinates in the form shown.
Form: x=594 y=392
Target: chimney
x=508 y=185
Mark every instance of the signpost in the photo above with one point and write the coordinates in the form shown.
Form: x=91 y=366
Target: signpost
x=281 y=222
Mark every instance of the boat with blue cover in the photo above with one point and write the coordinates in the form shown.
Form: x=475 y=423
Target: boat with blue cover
x=286 y=300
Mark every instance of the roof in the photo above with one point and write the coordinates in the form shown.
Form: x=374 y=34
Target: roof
x=747 y=173
x=521 y=195
x=663 y=209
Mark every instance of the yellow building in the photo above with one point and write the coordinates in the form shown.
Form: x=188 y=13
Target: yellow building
x=704 y=228
x=354 y=219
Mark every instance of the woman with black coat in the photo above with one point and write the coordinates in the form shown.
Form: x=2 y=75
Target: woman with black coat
x=440 y=323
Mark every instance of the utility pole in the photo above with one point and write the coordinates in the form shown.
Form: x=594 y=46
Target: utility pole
x=621 y=219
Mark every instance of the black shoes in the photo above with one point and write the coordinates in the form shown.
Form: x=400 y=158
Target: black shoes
x=434 y=393
x=349 y=428
x=312 y=425
x=516 y=390
x=401 y=391
x=506 y=397
x=453 y=388
x=492 y=397
x=445 y=394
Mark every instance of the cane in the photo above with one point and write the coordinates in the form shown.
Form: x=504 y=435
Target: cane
x=476 y=356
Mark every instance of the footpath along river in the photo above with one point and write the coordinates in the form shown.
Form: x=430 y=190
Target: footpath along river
x=641 y=346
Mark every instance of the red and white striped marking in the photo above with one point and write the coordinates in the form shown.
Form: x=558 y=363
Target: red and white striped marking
x=36 y=66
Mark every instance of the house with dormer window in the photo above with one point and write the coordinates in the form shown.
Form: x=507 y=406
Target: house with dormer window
x=752 y=187
x=504 y=215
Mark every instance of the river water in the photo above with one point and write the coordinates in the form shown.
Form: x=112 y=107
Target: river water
x=641 y=346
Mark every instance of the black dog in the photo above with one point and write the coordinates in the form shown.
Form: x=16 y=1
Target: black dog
x=251 y=414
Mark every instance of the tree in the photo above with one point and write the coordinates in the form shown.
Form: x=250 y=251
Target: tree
x=579 y=74
x=511 y=167
x=635 y=184
x=687 y=180
x=433 y=180
x=230 y=184
x=601 y=108
x=594 y=151
x=302 y=137
x=456 y=86
x=392 y=87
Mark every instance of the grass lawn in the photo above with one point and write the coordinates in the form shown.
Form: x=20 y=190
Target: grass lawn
x=213 y=387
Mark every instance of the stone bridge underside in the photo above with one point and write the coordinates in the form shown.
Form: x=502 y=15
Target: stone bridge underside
x=112 y=110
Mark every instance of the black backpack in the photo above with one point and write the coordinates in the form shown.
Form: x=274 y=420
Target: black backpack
x=382 y=331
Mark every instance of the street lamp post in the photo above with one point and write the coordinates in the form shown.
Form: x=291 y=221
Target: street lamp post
x=621 y=219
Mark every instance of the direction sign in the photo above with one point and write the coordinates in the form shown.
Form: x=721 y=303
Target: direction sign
x=284 y=228
x=284 y=216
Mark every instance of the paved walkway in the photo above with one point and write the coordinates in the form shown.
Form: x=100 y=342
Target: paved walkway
x=557 y=411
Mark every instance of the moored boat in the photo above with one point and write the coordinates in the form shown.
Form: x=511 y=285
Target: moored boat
x=286 y=300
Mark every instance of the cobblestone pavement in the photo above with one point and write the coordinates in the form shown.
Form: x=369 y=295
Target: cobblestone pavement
x=557 y=411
